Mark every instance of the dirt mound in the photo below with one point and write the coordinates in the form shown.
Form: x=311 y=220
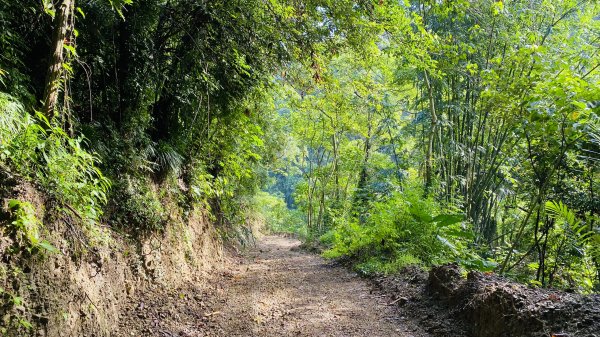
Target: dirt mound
x=415 y=303
x=486 y=305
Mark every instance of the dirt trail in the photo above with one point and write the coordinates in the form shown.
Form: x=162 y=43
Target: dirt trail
x=283 y=291
x=276 y=290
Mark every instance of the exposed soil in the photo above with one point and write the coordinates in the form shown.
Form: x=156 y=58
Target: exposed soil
x=485 y=305
x=276 y=289
x=82 y=290
x=416 y=302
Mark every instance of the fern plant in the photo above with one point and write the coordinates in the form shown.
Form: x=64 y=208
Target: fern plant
x=42 y=152
x=575 y=245
x=578 y=232
x=26 y=227
x=168 y=159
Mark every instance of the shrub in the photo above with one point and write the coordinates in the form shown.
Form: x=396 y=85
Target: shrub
x=135 y=206
x=43 y=153
x=401 y=231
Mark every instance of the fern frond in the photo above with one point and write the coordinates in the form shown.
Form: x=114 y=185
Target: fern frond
x=577 y=229
x=168 y=159
x=560 y=211
x=13 y=118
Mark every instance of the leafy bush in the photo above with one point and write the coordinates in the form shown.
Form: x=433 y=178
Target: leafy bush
x=390 y=230
x=135 y=206
x=45 y=154
x=401 y=231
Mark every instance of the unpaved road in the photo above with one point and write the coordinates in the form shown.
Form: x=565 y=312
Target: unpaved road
x=282 y=291
x=275 y=290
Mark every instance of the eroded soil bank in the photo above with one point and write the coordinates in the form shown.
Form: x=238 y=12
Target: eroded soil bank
x=81 y=290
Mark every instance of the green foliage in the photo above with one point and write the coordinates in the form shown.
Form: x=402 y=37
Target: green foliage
x=401 y=231
x=168 y=159
x=27 y=228
x=44 y=153
x=136 y=206
x=277 y=217
x=69 y=173
x=490 y=106
x=379 y=265
x=12 y=119
x=571 y=248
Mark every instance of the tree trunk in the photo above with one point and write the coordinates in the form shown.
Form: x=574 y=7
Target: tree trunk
x=55 y=68
x=432 y=134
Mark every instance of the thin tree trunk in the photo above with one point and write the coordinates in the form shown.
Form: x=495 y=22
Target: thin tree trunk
x=61 y=25
x=432 y=134
x=361 y=191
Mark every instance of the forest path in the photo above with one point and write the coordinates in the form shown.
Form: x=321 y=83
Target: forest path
x=273 y=289
x=281 y=290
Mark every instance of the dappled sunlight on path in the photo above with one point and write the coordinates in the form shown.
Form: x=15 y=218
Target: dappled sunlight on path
x=280 y=290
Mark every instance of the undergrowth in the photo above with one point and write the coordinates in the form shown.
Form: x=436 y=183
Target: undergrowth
x=272 y=211
x=33 y=149
x=136 y=204
x=400 y=231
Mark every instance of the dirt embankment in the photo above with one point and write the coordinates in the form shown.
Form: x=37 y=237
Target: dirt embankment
x=485 y=305
x=82 y=290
